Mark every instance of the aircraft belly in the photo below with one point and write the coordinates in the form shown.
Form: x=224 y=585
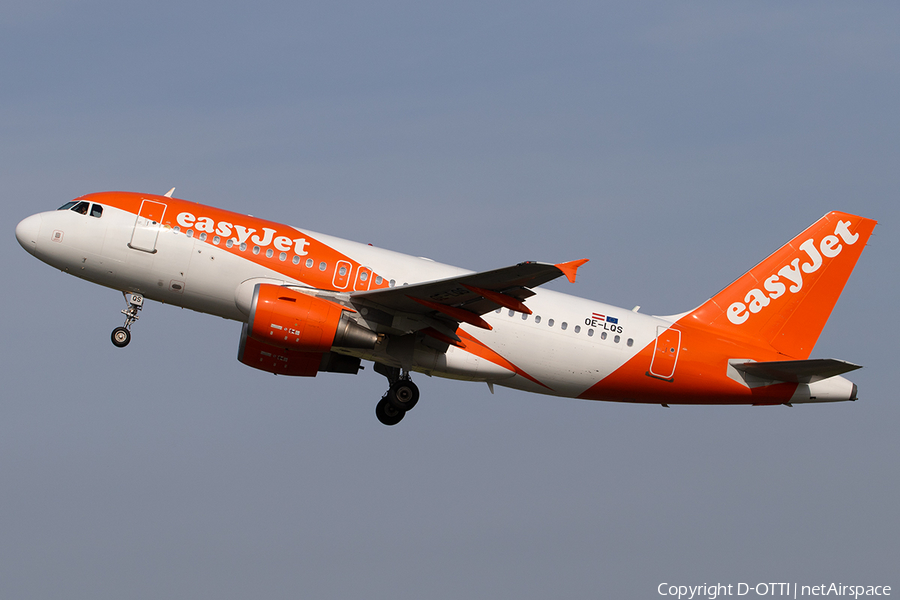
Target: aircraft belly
x=459 y=364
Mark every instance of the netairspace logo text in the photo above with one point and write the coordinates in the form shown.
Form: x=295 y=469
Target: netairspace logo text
x=791 y=590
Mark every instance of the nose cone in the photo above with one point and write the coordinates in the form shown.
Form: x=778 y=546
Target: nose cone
x=27 y=232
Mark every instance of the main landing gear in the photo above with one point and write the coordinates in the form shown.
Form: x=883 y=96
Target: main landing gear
x=401 y=397
x=122 y=335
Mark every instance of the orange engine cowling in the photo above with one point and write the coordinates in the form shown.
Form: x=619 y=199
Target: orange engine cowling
x=284 y=318
x=283 y=361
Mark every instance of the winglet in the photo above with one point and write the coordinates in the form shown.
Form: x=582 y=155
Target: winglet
x=570 y=269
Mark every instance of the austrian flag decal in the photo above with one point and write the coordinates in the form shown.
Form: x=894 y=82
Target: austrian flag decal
x=604 y=318
x=605 y=322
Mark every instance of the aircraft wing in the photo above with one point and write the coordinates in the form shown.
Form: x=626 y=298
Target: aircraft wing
x=465 y=297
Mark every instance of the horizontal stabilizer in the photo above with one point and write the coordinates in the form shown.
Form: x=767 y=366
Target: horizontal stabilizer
x=796 y=371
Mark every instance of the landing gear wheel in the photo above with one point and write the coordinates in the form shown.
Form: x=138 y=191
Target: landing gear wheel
x=120 y=337
x=387 y=414
x=403 y=395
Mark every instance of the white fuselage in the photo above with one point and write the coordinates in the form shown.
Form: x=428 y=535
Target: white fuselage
x=215 y=261
x=559 y=345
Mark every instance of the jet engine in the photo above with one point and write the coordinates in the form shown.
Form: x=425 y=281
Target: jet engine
x=285 y=318
x=291 y=333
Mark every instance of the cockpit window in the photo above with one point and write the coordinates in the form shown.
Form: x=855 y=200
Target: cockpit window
x=81 y=208
x=67 y=205
x=96 y=210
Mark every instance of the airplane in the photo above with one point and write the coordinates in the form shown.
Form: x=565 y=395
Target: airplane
x=311 y=303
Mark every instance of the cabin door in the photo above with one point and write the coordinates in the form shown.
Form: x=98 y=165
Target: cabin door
x=146 y=226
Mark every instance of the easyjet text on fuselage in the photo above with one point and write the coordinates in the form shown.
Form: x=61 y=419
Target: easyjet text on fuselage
x=242 y=234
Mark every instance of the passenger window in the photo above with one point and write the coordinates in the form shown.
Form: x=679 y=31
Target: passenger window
x=537 y=319
x=323 y=265
x=309 y=263
x=616 y=339
x=296 y=260
x=563 y=325
x=550 y=323
x=203 y=237
x=229 y=243
x=282 y=256
x=67 y=205
x=602 y=335
x=630 y=342
x=81 y=208
x=512 y=313
x=216 y=240
x=590 y=333
x=498 y=310
x=96 y=210
x=578 y=329
x=524 y=316
x=255 y=249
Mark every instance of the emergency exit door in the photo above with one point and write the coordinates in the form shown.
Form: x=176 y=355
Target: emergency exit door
x=146 y=226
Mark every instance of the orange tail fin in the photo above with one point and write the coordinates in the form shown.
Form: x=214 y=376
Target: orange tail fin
x=785 y=300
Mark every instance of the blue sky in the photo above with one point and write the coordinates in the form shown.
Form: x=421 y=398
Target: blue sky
x=673 y=144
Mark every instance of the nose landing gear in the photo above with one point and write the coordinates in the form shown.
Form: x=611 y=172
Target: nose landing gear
x=121 y=336
x=401 y=397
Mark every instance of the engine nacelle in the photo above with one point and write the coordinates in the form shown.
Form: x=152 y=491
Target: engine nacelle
x=297 y=363
x=284 y=318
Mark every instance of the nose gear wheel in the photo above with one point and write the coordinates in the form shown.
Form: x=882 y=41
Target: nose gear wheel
x=121 y=336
